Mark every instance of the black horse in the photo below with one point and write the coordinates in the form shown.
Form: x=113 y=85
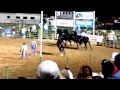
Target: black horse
x=60 y=45
x=85 y=40
x=78 y=39
x=65 y=36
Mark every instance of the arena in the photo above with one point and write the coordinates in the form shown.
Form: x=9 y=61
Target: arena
x=13 y=67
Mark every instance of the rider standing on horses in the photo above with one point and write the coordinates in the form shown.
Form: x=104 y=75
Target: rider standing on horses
x=77 y=30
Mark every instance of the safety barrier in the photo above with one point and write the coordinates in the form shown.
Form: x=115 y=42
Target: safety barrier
x=111 y=44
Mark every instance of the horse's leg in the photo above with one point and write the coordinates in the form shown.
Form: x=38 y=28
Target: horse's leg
x=70 y=42
x=80 y=45
x=65 y=42
x=63 y=50
x=90 y=46
x=77 y=45
x=85 y=45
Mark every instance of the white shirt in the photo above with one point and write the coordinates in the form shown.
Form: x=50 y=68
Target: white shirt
x=33 y=28
x=70 y=74
x=110 y=36
x=24 y=49
x=46 y=26
x=23 y=30
x=99 y=39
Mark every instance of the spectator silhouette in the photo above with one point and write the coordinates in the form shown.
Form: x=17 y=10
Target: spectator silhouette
x=67 y=73
x=113 y=59
x=107 y=69
x=117 y=64
x=85 y=73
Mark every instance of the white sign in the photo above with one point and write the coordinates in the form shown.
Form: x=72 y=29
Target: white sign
x=84 y=15
x=64 y=23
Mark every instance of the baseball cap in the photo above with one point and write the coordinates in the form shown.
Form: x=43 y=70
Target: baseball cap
x=48 y=69
x=113 y=55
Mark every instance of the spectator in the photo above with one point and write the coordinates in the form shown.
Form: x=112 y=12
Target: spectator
x=113 y=59
x=24 y=50
x=24 y=33
x=85 y=73
x=117 y=64
x=67 y=73
x=107 y=69
x=33 y=45
x=33 y=29
x=111 y=39
x=48 y=69
x=3 y=31
x=0 y=29
x=13 y=31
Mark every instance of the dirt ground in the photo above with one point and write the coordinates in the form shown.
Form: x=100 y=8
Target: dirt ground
x=10 y=56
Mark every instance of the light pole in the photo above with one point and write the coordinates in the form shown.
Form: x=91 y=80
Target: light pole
x=41 y=28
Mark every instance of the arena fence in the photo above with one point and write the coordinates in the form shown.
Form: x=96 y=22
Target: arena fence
x=111 y=44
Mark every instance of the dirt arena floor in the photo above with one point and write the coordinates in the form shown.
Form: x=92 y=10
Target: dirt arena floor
x=10 y=56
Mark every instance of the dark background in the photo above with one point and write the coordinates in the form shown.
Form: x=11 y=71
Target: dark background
x=104 y=9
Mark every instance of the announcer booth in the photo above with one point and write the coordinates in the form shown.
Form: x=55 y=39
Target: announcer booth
x=17 y=20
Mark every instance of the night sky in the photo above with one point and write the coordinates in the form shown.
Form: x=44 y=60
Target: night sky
x=103 y=9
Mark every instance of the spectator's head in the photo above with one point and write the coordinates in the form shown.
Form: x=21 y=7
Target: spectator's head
x=48 y=69
x=113 y=55
x=66 y=67
x=117 y=61
x=107 y=68
x=85 y=73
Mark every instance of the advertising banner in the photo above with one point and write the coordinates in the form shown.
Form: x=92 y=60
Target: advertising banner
x=84 y=15
x=84 y=23
x=64 y=23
